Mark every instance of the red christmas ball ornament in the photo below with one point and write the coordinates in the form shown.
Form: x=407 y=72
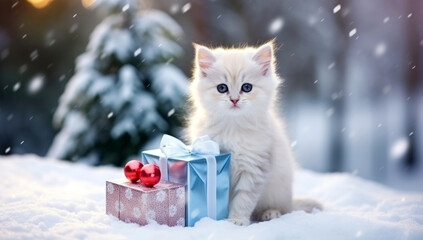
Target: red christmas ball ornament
x=132 y=170
x=150 y=175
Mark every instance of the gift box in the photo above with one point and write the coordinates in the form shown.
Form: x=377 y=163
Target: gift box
x=202 y=169
x=135 y=203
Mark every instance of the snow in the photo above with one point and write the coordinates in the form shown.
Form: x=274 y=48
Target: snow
x=352 y=32
x=158 y=31
x=16 y=86
x=169 y=83
x=111 y=5
x=50 y=199
x=127 y=53
x=380 y=49
x=399 y=148
x=34 y=55
x=112 y=40
x=186 y=7
x=337 y=8
x=36 y=83
x=276 y=25
x=74 y=125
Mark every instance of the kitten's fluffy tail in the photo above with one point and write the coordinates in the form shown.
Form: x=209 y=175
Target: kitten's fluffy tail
x=306 y=204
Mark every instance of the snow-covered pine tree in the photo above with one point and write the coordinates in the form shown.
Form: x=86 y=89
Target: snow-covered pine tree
x=125 y=89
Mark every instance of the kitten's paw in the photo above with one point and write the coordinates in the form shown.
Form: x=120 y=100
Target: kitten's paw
x=239 y=221
x=270 y=214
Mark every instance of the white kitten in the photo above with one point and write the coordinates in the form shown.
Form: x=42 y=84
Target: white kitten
x=234 y=94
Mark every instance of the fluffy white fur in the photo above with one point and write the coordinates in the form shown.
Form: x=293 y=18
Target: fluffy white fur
x=262 y=161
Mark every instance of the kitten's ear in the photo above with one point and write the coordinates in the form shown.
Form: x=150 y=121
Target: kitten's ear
x=264 y=57
x=204 y=58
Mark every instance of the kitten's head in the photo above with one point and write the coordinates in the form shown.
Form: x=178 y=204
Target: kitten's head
x=238 y=81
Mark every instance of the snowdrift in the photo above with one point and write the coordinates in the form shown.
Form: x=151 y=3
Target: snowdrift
x=50 y=199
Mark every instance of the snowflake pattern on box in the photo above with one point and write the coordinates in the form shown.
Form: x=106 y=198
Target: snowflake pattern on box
x=150 y=216
x=180 y=192
x=136 y=212
x=133 y=202
x=119 y=206
x=144 y=200
x=160 y=196
x=172 y=210
x=110 y=188
x=181 y=222
x=128 y=193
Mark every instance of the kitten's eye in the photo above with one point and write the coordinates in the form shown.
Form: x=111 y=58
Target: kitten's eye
x=246 y=87
x=222 y=88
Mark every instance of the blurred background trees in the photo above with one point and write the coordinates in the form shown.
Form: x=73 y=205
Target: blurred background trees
x=353 y=86
x=125 y=89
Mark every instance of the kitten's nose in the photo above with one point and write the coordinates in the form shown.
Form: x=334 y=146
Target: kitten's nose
x=234 y=101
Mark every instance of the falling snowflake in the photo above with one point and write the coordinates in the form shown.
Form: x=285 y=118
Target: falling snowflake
x=293 y=144
x=34 y=55
x=409 y=15
x=174 y=8
x=125 y=7
x=15 y=4
x=4 y=54
x=7 y=150
x=352 y=32
x=399 y=148
x=172 y=210
x=186 y=7
x=160 y=196
x=137 y=52
x=110 y=115
x=312 y=20
x=337 y=8
x=36 y=83
x=276 y=25
x=380 y=49
x=171 y=112
x=385 y=20
x=128 y=193
x=110 y=188
x=331 y=65
x=23 y=68
x=136 y=212
x=73 y=28
x=16 y=86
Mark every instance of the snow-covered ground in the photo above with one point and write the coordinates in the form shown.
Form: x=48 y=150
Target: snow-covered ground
x=50 y=199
